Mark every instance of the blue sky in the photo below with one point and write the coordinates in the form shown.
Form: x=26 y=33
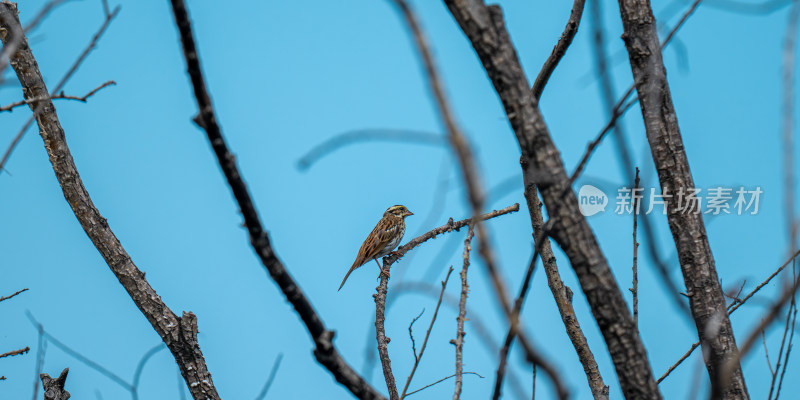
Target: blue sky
x=285 y=76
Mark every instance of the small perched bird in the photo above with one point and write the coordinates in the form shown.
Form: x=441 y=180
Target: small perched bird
x=383 y=239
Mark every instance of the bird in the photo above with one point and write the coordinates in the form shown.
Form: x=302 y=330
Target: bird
x=386 y=235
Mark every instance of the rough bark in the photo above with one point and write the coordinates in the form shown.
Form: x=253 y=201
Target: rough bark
x=178 y=333
x=706 y=298
x=325 y=351
x=542 y=166
x=54 y=388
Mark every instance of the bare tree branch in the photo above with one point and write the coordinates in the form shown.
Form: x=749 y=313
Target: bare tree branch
x=366 y=135
x=15 y=352
x=706 y=298
x=54 y=388
x=560 y=48
x=542 y=166
x=271 y=378
x=733 y=307
x=462 y=315
x=42 y=14
x=137 y=375
x=61 y=95
x=788 y=75
x=325 y=352
x=12 y=295
x=380 y=295
x=728 y=369
x=563 y=298
x=606 y=86
x=442 y=380
x=418 y=357
x=635 y=284
x=179 y=333
x=92 y=44
x=480 y=328
x=475 y=193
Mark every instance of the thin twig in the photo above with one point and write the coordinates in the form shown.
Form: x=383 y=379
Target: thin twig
x=61 y=95
x=788 y=350
x=137 y=375
x=606 y=86
x=272 y=373
x=560 y=49
x=418 y=358
x=621 y=106
x=793 y=312
x=462 y=315
x=15 y=352
x=729 y=367
x=411 y=334
x=442 y=380
x=635 y=284
x=367 y=135
x=64 y=79
x=179 y=333
x=779 y=360
x=42 y=14
x=485 y=338
x=325 y=351
x=380 y=295
x=12 y=295
x=41 y=349
x=788 y=74
x=469 y=173
x=769 y=363
x=734 y=306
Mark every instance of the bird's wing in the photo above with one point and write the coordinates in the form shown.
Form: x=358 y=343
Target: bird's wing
x=378 y=239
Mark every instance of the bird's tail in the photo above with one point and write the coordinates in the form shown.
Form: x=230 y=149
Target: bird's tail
x=353 y=268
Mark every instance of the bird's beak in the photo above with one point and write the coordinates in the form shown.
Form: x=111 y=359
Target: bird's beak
x=408 y=213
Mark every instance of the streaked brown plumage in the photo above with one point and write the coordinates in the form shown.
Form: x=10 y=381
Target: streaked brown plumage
x=386 y=235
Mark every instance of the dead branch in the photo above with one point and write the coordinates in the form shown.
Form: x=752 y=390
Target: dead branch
x=60 y=85
x=325 y=351
x=179 y=333
x=706 y=298
x=560 y=48
x=380 y=333
x=542 y=165
x=733 y=307
x=787 y=122
x=728 y=369
x=12 y=295
x=42 y=14
x=476 y=322
x=15 y=352
x=442 y=380
x=366 y=135
x=635 y=283
x=54 y=388
x=418 y=358
x=475 y=193
x=61 y=95
x=380 y=295
x=563 y=298
x=462 y=315
x=606 y=86
x=272 y=373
